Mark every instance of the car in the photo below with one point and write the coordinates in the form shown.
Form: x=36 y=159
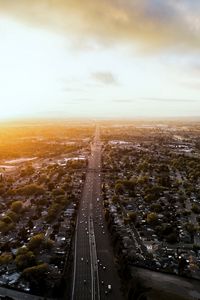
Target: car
x=109 y=288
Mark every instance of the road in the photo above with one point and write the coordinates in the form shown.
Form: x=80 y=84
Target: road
x=15 y=295
x=165 y=286
x=94 y=266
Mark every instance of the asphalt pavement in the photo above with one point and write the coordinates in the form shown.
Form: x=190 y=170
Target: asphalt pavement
x=95 y=275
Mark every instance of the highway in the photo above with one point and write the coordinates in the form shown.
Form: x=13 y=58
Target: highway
x=16 y=295
x=94 y=266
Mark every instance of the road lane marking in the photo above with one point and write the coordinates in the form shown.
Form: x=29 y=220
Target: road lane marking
x=75 y=251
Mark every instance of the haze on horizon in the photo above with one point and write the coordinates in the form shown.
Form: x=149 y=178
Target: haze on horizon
x=123 y=59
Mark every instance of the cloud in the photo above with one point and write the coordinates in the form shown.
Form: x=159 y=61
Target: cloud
x=72 y=89
x=169 y=100
x=105 y=78
x=192 y=84
x=124 y=100
x=193 y=68
x=151 y=99
x=151 y=24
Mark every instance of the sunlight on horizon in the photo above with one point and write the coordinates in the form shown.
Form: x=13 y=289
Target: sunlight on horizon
x=47 y=74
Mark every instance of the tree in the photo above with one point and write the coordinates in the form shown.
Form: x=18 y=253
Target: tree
x=152 y=218
x=30 y=224
x=13 y=215
x=149 y=198
x=7 y=220
x=17 y=206
x=29 y=170
x=119 y=188
x=36 y=276
x=142 y=179
x=172 y=238
x=6 y=258
x=31 y=189
x=195 y=208
x=2 y=189
x=115 y=199
x=4 y=227
x=106 y=215
x=132 y=216
x=190 y=228
x=23 y=234
x=156 y=207
x=25 y=260
x=36 y=241
x=57 y=192
x=164 y=229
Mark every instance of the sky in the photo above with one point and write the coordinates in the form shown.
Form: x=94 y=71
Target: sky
x=99 y=59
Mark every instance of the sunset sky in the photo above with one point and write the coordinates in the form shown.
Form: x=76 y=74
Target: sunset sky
x=99 y=58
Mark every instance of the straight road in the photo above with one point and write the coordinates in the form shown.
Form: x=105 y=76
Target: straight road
x=94 y=266
x=15 y=295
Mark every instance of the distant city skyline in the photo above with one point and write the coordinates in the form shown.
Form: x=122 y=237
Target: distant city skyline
x=99 y=59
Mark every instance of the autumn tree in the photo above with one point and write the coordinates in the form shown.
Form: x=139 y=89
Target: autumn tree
x=6 y=258
x=17 y=206
x=24 y=258
x=132 y=216
x=152 y=218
